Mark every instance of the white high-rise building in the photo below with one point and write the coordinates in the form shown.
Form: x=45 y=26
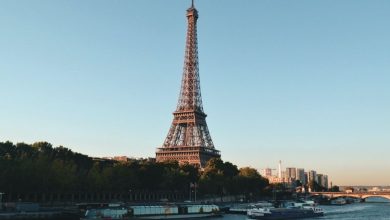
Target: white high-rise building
x=280 y=170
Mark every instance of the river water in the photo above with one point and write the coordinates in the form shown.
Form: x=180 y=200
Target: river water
x=357 y=211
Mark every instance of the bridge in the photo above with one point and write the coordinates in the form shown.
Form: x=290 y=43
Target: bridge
x=359 y=195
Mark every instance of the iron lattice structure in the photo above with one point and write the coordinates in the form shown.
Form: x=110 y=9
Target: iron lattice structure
x=189 y=139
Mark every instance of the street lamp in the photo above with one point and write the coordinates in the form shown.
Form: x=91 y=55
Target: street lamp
x=193 y=185
x=1 y=201
x=129 y=195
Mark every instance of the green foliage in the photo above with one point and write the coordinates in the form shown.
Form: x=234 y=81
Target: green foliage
x=251 y=182
x=314 y=186
x=40 y=167
x=224 y=178
x=336 y=189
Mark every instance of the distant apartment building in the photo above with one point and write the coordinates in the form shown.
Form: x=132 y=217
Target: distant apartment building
x=325 y=181
x=375 y=189
x=301 y=175
x=291 y=172
x=306 y=178
x=312 y=175
x=267 y=172
x=275 y=179
x=349 y=189
x=319 y=179
x=283 y=175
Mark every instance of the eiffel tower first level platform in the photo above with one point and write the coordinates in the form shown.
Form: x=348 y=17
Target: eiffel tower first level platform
x=197 y=156
x=188 y=139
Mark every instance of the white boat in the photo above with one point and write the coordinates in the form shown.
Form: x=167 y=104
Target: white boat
x=175 y=211
x=338 y=201
x=285 y=213
x=243 y=208
x=298 y=204
x=108 y=213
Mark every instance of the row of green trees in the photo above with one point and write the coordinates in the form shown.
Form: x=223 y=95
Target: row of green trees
x=40 y=167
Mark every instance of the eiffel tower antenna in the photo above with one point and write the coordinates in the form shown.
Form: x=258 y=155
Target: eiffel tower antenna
x=188 y=139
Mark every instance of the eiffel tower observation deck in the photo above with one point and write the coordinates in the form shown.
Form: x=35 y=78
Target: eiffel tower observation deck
x=188 y=139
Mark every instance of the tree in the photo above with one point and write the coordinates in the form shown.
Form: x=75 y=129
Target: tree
x=315 y=187
x=335 y=189
x=251 y=182
x=40 y=167
x=212 y=178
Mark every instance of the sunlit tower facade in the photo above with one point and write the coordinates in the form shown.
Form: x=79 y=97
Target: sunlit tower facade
x=188 y=139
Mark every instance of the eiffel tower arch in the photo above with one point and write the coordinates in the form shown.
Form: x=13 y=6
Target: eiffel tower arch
x=189 y=139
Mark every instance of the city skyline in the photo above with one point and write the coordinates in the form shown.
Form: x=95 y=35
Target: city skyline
x=303 y=82
x=288 y=174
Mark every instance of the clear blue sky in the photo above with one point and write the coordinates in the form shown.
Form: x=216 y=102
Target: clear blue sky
x=306 y=82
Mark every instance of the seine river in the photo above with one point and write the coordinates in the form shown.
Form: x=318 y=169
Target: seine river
x=358 y=211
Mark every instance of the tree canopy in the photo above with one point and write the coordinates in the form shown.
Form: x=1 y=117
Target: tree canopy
x=40 y=167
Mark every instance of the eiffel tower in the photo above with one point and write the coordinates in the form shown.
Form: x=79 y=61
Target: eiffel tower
x=188 y=139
